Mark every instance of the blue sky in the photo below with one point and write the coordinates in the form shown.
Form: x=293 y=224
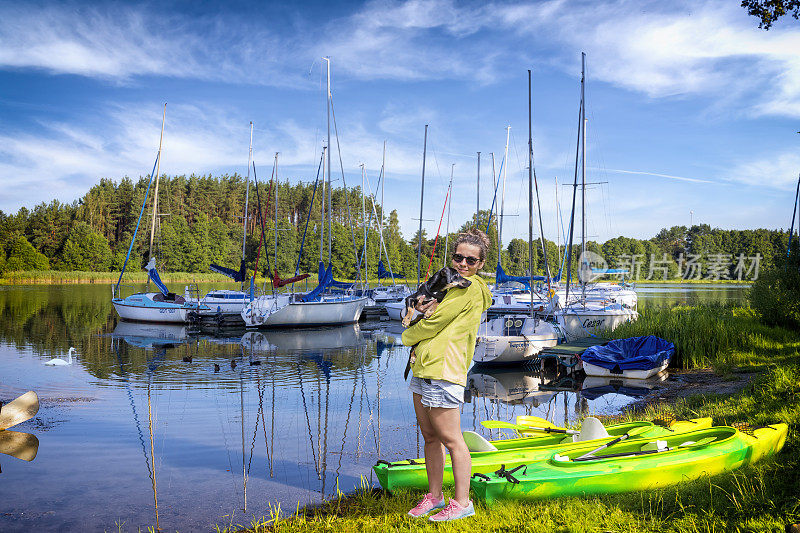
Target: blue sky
x=690 y=107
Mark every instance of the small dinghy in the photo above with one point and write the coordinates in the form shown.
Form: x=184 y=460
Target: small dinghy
x=633 y=358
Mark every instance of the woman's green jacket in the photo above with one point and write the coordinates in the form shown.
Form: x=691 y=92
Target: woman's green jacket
x=446 y=341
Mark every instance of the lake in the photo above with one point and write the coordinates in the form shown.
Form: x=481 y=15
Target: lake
x=187 y=429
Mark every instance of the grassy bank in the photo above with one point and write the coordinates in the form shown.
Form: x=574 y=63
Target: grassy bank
x=761 y=497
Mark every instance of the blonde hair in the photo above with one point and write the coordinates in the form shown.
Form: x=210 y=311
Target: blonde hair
x=475 y=237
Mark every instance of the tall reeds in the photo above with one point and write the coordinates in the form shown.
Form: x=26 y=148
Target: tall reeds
x=711 y=334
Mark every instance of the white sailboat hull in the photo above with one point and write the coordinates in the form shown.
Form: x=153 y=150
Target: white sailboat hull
x=142 y=308
x=599 y=371
x=577 y=322
x=494 y=346
x=327 y=312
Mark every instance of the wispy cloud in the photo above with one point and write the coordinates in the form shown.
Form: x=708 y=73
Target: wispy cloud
x=655 y=174
x=710 y=47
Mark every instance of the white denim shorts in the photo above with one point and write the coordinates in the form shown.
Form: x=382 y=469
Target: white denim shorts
x=437 y=392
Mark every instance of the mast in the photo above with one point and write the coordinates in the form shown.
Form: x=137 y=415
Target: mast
x=478 y=205
x=322 y=212
x=364 y=225
x=494 y=204
x=330 y=202
x=503 y=200
x=421 y=197
x=583 y=180
x=568 y=251
x=275 y=201
x=530 y=191
x=532 y=171
x=155 y=193
x=449 y=204
x=247 y=195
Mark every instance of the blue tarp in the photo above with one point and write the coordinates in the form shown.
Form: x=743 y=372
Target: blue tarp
x=635 y=353
x=593 y=393
x=502 y=277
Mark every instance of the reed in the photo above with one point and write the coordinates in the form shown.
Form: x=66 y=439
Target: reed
x=712 y=335
x=760 y=497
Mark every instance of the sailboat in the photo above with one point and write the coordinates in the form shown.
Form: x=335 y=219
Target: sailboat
x=162 y=306
x=515 y=338
x=586 y=317
x=315 y=308
x=225 y=303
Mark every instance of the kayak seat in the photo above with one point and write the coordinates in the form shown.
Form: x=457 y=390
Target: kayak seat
x=654 y=446
x=476 y=443
x=591 y=429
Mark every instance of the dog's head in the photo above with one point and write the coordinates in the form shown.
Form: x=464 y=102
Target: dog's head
x=448 y=278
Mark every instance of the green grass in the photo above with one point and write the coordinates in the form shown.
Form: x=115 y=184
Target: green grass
x=760 y=497
x=713 y=335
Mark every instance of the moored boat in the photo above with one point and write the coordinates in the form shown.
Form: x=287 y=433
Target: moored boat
x=632 y=358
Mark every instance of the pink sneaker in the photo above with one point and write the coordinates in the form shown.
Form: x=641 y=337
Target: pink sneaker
x=426 y=505
x=453 y=511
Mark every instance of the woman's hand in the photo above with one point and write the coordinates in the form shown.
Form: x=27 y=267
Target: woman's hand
x=427 y=308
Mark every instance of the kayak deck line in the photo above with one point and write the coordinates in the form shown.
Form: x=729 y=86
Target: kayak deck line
x=633 y=465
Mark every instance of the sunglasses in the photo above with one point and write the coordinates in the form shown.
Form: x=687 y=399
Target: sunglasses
x=470 y=260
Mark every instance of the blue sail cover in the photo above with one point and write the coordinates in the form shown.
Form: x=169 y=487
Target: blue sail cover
x=153 y=273
x=635 y=353
x=325 y=279
x=236 y=275
x=502 y=277
x=593 y=393
x=383 y=273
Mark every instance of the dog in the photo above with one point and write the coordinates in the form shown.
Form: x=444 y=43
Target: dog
x=435 y=288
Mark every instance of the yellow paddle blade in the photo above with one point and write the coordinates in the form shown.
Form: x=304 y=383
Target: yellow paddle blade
x=528 y=420
x=499 y=424
x=19 y=410
x=20 y=445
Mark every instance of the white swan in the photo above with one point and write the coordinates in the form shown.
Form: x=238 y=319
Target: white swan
x=61 y=362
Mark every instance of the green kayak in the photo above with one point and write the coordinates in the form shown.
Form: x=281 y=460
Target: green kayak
x=520 y=451
x=632 y=465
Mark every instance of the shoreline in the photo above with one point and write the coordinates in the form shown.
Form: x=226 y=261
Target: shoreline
x=67 y=277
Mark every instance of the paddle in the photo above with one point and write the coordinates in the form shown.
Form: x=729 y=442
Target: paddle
x=520 y=428
x=20 y=445
x=17 y=411
x=632 y=433
x=700 y=442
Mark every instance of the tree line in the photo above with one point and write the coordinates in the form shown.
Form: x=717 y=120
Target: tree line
x=200 y=221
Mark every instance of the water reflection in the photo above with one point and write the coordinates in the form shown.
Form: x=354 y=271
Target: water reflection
x=180 y=428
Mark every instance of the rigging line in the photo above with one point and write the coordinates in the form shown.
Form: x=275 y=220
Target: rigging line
x=344 y=184
x=263 y=230
x=308 y=217
x=133 y=408
x=436 y=240
x=347 y=421
x=255 y=430
x=225 y=440
x=308 y=420
x=152 y=451
x=364 y=387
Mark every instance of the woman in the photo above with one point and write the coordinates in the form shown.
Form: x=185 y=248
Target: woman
x=445 y=343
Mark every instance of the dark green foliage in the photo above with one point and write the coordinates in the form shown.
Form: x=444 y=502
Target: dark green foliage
x=201 y=218
x=21 y=255
x=770 y=11
x=776 y=294
x=86 y=250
